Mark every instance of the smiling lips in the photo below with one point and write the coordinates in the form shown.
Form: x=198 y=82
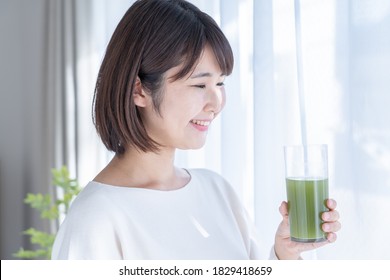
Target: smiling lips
x=200 y=124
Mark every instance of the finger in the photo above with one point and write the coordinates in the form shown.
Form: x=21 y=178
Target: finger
x=330 y=216
x=283 y=209
x=331 y=204
x=331 y=227
x=331 y=237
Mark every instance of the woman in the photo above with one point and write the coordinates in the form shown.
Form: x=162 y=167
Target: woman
x=160 y=86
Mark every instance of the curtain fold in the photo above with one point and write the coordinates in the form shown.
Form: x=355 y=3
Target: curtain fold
x=60 y=83
x=61 y=92
x=267 y=184
x=78 y=32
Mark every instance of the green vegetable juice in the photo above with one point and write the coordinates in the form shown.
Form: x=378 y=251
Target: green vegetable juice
x=306 y=202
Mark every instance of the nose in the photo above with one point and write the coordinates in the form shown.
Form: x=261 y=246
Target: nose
x=216 y=100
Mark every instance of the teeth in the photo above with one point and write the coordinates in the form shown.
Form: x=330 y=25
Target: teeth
x=202 y=123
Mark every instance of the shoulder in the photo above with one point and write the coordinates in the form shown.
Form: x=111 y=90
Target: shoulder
x=89 y=228
x=93 y=197
x=96 y=206
x=207 y=175
x=211 y=181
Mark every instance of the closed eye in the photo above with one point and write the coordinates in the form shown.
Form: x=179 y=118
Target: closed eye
x=199 y=86
x=204 y=86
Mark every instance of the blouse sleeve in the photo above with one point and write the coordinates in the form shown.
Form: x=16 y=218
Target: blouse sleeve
x=247 y=227
x=88 y=232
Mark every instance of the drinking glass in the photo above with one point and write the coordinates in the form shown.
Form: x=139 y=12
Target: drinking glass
x=306 y=169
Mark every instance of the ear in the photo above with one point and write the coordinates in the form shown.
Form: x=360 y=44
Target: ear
x=141 y=98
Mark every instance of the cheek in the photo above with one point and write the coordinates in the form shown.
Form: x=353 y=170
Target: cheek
x=223 y=99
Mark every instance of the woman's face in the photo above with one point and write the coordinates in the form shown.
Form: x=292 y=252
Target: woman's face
x=189 y=105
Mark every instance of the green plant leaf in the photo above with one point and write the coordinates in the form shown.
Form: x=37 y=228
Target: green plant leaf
x=51 y=214
x=29 y=254
x=38 y=201
x=51 y=210
x=41 y=238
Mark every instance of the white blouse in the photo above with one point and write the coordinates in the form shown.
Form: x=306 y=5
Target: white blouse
x=202 y=220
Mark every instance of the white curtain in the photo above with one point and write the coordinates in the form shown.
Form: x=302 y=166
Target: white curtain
x=78 y=34
x=346 y=62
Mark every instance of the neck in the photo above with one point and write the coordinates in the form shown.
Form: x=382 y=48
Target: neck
x=144 y=170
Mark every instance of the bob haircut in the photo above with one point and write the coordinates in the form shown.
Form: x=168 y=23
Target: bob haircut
x=152 y=37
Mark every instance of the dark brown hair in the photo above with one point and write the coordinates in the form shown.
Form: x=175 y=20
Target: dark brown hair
x=152 y=37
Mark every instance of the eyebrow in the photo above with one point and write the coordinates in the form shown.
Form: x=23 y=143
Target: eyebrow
x=204 y=74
